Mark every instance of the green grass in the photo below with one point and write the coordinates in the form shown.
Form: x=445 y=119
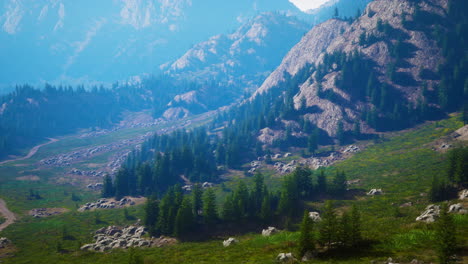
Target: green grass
x=402 y=165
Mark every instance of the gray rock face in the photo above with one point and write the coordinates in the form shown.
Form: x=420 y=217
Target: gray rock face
x=112 y=237
x=269 y=231
x=339 y=36
x=230 y=241
x=430 y=215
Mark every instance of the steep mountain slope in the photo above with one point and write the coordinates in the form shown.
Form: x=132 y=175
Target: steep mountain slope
x=50 y=40
x=374 y=69
x=244 y=57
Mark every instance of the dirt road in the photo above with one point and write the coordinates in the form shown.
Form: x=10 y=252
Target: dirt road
x=7 y=214
x=32 y=151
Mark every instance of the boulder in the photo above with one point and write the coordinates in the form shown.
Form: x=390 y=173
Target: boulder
x=269 y=231
x=308 y=256
x=463 y=194
x=408 y=204
x=230 y=241
x=430 y=215
x=285 y=257
x=457 y=209
x=4 y=242
x=315 y=216
x=375 y=192
x=207 y=185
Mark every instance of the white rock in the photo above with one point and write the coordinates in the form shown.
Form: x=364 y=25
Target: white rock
x=463 y=194
x=230 y=241
x=375 y=192
x=269 y=231
x=285 y=257
x=430 y=215
x=315 y=216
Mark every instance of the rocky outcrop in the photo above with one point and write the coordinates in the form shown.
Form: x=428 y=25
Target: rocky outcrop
x=112 y=237
x=230 y=241
x=111 y=203
x=269 y=231
x=430 y=215
x=339 y=36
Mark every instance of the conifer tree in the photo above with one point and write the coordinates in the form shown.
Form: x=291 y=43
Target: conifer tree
x=266 y=212
x=328 y=225
x=210 y=215
x=197 y=194
x=184 y=220
x=108 y=188
x=151 y=215
x=228 y=211
x=445 y=237
x=306 y=237
x=345 y=230
x=356 y=236
x=322 y=183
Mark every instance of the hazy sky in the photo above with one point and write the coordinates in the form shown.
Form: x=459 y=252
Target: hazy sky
x=308 y=4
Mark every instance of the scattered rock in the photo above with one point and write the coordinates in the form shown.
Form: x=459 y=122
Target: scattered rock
x=4 y=242
x=285 y=257
x=187 y=188
x=308 y=256
x=445 y=146
x=287 y=155
x=315 y=216
x=430 y=215
x=96 y=186
x=356 y=181
x=46 y=212
x=269 y=231
x=463 y=194
x=457 y=209
x=408 y=204
x=230 y=241
x=351 y=149
x=375 y=192
x=276 y=156
x=207 y=185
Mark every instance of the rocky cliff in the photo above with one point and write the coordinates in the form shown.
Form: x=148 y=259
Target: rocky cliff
x=391 y=38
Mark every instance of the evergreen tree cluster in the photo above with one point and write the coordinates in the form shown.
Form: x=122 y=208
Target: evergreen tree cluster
x=456 y=177
x=162 y=162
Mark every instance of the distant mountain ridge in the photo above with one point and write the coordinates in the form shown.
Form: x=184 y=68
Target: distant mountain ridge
x=64 y=41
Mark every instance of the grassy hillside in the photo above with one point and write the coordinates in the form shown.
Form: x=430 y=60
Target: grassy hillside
x=402 y=165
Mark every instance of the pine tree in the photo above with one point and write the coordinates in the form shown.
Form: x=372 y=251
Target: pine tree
x=151 y=215
x=241 y=201
x=210 y=215
x=446 y=243
x=322 y=183
x=108 y=188
x=197 y=194
x=345 y=230
x=227 y=212
x=306 y=237
x=339 y=184
x=356 y=236
x=328 y=225
x=266 y=212
x=184 y=220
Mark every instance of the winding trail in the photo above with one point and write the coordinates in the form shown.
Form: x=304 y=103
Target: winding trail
x=10 y=217
x=32 y=151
